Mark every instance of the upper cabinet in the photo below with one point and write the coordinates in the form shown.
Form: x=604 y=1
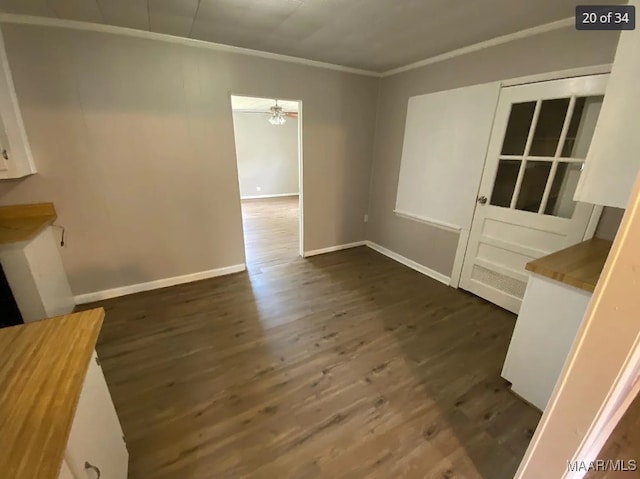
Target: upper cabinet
x=15 y=155
x=613 y=160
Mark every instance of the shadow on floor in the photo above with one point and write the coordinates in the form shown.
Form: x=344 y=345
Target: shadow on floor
x=453 y=345
x=346 y=365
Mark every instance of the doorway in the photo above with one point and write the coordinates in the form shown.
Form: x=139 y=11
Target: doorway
x=525 y=209
x=268 y=139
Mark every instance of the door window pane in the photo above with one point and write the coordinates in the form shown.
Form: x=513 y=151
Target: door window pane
x=564 y=185
x=534 y=182
x=583 y=123
x=549 y=127
x=505 y=182
x=515 y=138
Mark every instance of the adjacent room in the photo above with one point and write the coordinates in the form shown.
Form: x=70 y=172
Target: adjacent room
x=319 y=239
x=267 y=135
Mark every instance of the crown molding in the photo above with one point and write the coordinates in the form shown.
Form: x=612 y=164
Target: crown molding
x=601 y=69
x=529 y=32
x=102 y=28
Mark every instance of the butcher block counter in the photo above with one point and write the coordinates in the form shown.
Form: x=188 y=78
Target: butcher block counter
x=24 y=222
x=554 y=304
x=46 y=368
x=31 y=260
x=579 y=265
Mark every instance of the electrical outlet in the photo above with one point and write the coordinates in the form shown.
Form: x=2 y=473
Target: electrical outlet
x=258 y=188
x=366 y=218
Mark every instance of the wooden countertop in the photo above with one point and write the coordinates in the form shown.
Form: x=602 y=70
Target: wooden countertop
x=42 y=369
x=579 y=265
x=24 y=222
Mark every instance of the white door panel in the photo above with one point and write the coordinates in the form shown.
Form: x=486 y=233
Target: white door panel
x=540 y=137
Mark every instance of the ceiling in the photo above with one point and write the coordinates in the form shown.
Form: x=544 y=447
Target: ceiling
x=249 y=103
x=375 y=35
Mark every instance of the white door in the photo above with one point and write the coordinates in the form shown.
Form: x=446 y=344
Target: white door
x=525 y=210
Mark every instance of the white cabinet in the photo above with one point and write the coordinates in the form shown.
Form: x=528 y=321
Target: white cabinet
x=613 y=160
x=15 y=154
x=547 y=325
x=37 y=277
x=96 y=447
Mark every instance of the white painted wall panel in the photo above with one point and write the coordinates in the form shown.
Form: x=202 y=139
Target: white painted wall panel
x=445 y=143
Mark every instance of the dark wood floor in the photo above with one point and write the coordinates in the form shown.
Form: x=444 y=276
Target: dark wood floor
x=345 y=365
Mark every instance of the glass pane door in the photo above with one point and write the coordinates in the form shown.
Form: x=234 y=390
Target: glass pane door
x=545 y=144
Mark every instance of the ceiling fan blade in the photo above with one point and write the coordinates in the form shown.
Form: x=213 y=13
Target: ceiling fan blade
x=290 y=114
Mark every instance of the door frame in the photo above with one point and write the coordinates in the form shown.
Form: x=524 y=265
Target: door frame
x=300 y=167
x=463 y=239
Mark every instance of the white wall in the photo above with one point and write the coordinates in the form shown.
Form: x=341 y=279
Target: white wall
x=133 y=141
x=429 y=246
x=267 y=155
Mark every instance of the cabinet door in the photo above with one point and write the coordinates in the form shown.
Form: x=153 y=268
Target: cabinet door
x=613 y=161
x=15 y=153
x=96 y=445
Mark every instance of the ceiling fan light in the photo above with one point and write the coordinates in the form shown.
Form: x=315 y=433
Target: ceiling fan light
x=277 y=115
x=277 y=120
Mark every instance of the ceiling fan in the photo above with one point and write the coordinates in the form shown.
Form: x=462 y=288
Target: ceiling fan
x=277 y=116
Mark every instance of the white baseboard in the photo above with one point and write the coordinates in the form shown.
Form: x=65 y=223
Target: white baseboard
x=159 y=283
x=259 y=197
x=331 y=249
x=410 y=263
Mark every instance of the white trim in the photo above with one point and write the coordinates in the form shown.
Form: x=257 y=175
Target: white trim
x=529 y=32
x=463 y=239
x=429 y=221
x=410 y=263
x=621 y=395
x=159 y=283
x=458 y=262
x=258 y=197
x=596 y=213
x=300 y=172
x=300 y=180
x=331 y=249
x=101 y=28
x=603 y=69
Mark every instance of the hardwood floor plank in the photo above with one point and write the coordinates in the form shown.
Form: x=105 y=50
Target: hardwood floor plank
x=345 y=365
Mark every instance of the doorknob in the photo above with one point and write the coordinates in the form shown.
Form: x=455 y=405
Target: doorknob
x=482 y=200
